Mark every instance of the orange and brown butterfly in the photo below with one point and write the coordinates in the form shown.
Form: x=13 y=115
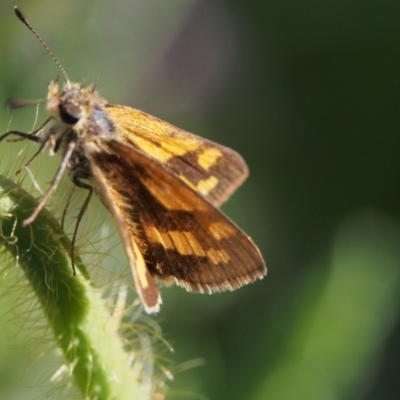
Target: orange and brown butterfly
x=161 y=184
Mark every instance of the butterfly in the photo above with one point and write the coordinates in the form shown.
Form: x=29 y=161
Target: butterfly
x=161 y=184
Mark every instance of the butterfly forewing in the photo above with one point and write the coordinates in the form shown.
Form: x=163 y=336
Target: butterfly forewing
x=210 y=169
x=183 y=237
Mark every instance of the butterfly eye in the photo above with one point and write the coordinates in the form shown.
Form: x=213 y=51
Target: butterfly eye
x=69 y=115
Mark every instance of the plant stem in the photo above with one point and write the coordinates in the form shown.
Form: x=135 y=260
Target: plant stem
x=78 y=316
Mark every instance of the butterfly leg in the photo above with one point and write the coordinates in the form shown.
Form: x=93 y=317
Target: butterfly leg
x=42 y=146
x=76 y=180
x=54 y=183
x=64 y=214
x=33 y=136
x=22 y=135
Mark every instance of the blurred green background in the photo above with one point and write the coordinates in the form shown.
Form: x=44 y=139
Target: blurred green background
x=308 y=93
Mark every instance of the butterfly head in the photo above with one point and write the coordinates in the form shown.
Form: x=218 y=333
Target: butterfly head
x=73 y=104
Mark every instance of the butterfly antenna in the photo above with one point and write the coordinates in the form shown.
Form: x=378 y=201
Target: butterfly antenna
x=22 y=18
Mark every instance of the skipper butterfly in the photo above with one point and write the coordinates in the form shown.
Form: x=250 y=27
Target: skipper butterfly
x=162 y=185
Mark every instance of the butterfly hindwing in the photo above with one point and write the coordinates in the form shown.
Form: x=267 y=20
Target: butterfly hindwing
x=144 y=282
x=183 y=238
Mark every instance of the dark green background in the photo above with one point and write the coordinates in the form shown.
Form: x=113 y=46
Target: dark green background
x=308 y=93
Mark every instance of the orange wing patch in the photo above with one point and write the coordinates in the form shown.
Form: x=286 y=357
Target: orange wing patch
x=194 y=244
x=210 y=169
